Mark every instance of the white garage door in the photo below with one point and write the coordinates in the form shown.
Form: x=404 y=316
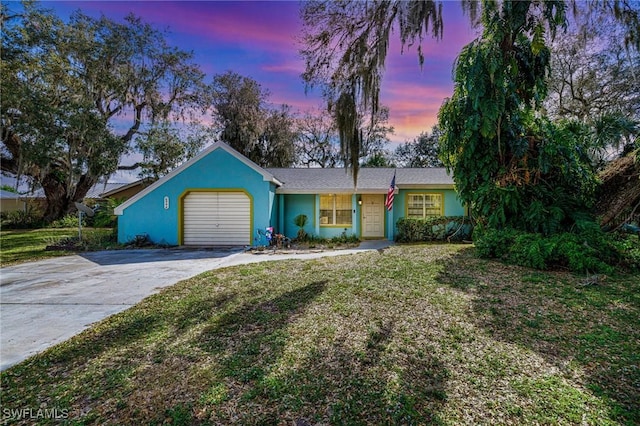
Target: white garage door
x=216 y=219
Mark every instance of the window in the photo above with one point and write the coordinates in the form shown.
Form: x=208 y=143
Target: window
x=420 y=206
x=335 y=209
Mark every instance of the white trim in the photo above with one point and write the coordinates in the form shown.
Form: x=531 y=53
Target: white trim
x=267 y=177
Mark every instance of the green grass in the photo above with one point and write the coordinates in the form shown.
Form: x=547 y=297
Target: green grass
x=423 y=334
x=25 y=245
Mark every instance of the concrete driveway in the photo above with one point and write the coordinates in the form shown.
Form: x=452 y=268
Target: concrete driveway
x=47 y=302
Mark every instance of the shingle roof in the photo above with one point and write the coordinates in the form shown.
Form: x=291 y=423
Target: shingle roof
x=95 y=192
x=9 y=195
x=318 y=180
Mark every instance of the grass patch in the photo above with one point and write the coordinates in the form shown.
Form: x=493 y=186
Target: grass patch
x=26 y=245
x=416 y=335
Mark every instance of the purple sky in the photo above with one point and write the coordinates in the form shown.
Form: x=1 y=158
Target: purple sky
x=258 y=39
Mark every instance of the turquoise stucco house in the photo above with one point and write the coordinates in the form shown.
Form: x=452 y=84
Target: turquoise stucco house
x=220 y=197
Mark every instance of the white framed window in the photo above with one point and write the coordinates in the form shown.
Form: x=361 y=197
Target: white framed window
x=420 y=206
x=335 y=209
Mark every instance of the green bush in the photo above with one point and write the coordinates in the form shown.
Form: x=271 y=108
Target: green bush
x=344 y=239
x=438 y=228
x=29 y=218
x=586 y=250
x=629 y=248
x=68 y=221
x=104 y=217
x=493 y=243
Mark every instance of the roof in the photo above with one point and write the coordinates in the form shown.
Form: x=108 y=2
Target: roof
x=99 y=190
x=7 y=195
x=370 y=180
x=123 y=187
x=266 y=175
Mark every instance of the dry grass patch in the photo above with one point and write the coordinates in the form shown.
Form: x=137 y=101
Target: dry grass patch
x=422 y=334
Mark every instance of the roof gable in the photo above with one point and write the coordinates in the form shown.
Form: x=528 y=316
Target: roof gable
x=267 y=176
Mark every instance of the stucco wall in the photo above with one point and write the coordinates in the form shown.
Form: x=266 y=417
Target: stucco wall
x=218 y=169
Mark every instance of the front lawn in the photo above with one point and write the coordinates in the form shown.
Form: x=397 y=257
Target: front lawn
x=26 y=245
x=424 y=334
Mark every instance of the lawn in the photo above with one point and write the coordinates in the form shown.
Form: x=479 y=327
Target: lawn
x=26 y=245
x=424 y=334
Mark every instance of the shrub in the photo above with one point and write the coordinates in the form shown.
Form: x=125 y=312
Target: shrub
x=29 y=218
x=494 y=243
x=68 y=221
x=586 y=250
x=629 y=248
x=433 y=229
x=344 y=239
x=300 y=221
x=104 y=217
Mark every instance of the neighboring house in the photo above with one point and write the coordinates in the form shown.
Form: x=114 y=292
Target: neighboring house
x=221 y=197
x=11 y=202
x=122 y=191
x=98 y=192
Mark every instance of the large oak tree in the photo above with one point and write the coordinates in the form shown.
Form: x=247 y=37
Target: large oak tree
x=76 y=94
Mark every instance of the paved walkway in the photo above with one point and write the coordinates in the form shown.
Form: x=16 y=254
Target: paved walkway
x=47 y=302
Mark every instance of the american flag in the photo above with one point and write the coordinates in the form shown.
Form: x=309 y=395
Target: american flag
x=389 y=201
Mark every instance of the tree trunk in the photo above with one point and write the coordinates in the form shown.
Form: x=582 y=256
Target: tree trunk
x=60 y=199
x=620 y=190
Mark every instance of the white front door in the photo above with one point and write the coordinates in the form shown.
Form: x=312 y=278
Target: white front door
x=373 y=216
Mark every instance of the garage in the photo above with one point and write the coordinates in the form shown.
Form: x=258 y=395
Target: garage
x=216 y=218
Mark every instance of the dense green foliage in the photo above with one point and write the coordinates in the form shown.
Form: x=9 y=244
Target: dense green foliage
x=64 y=87
x=30 y=217
x=513 y=167
x=68 y=221
x=104 y=217
x=421 y=152
x=440 y=228
x=585 y=250
x=245 y=121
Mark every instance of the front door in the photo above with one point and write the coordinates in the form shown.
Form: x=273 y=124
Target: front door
x=373 y=216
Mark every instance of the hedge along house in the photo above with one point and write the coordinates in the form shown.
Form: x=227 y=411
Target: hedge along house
x=222 y=198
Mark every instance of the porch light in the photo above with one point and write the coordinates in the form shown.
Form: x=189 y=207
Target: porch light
x=359 y=200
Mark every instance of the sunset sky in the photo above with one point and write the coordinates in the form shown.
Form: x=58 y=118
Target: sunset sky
x=258 y=39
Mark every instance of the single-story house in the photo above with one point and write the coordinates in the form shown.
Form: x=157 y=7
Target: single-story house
x=11 y=202
x=220 y=197
x=123 y=191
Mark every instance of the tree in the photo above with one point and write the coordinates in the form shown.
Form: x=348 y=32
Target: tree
x=423 y=151
x=277 y=141
x=379 y=159
x=164 y=147
x=64 y=87
x=345 y=46
x=512 y=165
x=374 y=131
x=317 y=143
x=246 y=122
x=594 y=82
x=592 y=73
